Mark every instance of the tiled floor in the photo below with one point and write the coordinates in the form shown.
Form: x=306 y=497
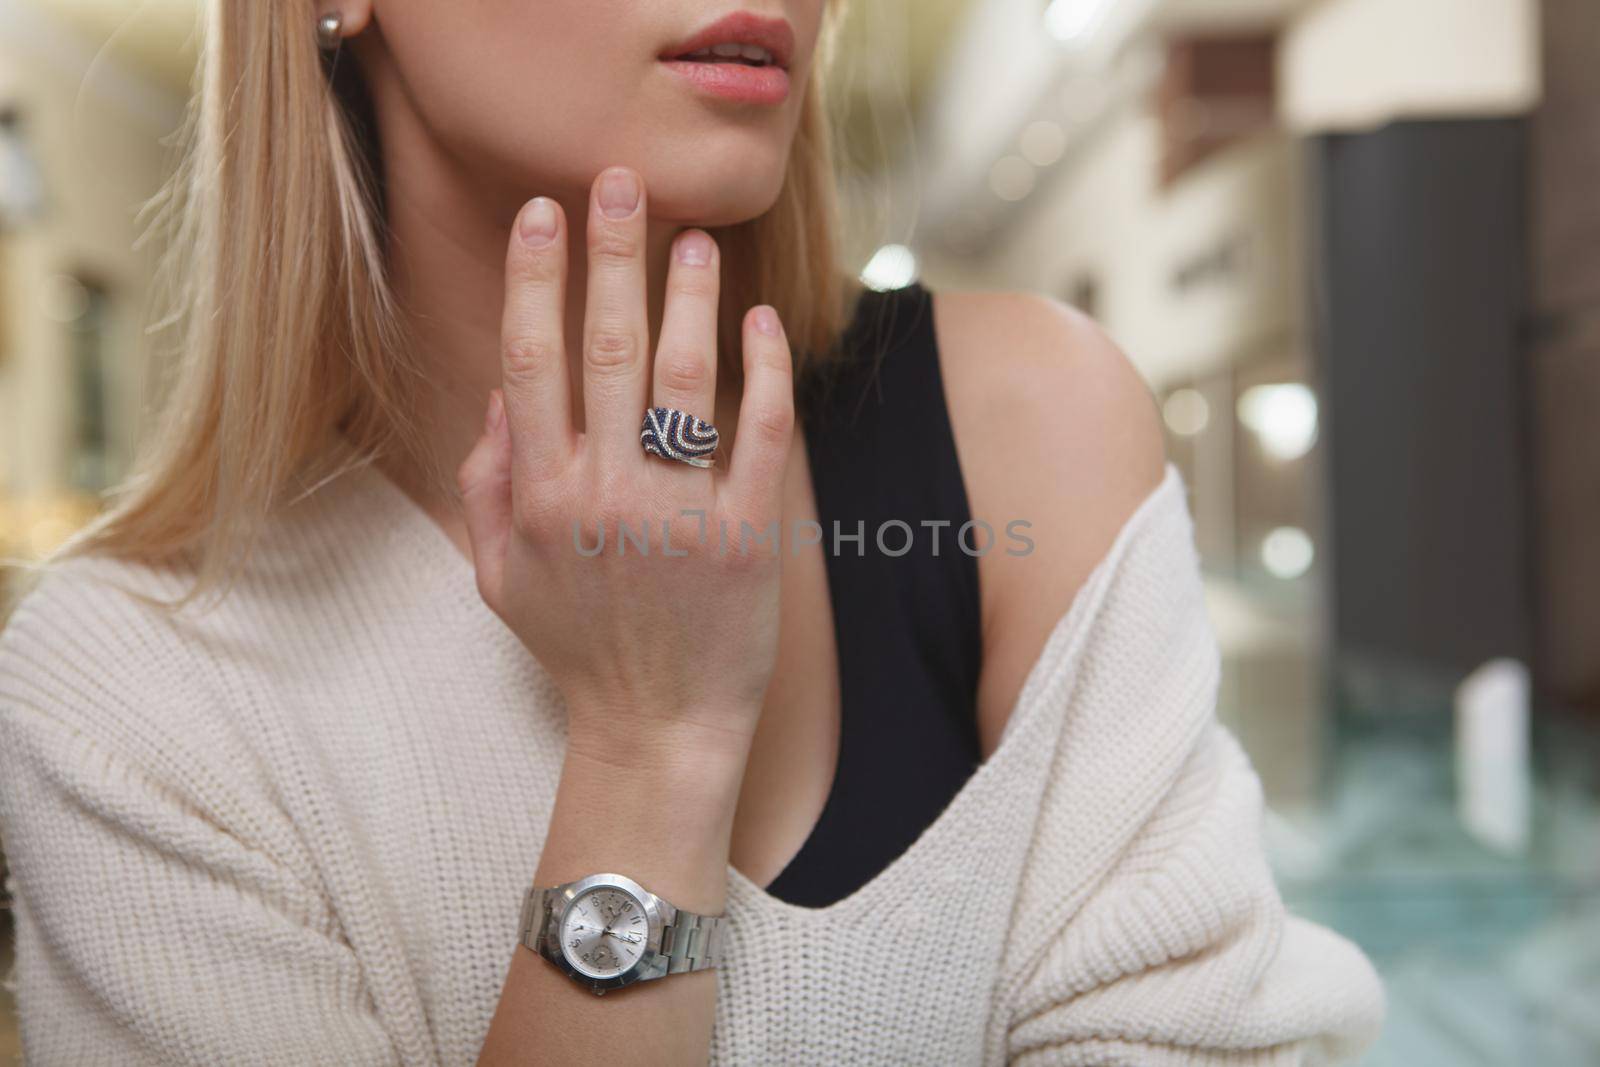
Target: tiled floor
x=1490 y=960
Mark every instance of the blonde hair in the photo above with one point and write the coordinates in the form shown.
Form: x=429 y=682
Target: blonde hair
x=291 y=360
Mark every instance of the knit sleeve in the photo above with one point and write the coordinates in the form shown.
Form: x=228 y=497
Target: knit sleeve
x=150 y=928
x=1185 y=954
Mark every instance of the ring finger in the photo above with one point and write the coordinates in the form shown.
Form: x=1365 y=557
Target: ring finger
x=685 y=376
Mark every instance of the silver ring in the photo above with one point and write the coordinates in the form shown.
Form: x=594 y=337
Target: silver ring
x=673 y=434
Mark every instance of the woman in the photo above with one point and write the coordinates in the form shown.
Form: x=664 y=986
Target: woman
x=761 y=724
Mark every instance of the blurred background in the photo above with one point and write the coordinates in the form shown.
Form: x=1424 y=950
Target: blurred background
x=1354 y=245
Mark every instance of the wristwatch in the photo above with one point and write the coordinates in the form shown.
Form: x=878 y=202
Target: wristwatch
x=607 y=931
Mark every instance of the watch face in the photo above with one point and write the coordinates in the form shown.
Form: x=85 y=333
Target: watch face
x=604 y=931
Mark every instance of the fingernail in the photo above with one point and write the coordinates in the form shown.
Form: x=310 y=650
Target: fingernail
x=538 y=222
x=497 y=412
x=767 y=321
x=694 y=249
x=619 y=193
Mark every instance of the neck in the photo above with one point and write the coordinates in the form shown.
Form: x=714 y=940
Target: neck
x=448 y=234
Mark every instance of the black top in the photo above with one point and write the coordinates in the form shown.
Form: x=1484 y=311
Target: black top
x=905 y=596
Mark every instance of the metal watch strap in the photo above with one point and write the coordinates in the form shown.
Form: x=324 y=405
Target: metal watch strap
x=689 y=941
x=535 y=914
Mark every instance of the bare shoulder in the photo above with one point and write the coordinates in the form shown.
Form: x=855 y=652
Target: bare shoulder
x=1057 y=429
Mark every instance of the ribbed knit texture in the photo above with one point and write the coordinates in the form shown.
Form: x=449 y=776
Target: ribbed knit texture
x=297 y=829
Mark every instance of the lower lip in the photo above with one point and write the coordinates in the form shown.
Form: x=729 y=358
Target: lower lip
x=735 y=81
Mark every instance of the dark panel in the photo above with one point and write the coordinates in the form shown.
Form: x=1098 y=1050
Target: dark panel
x=1418 y=299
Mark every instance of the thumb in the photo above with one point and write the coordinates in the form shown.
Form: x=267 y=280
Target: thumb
x=485 y=482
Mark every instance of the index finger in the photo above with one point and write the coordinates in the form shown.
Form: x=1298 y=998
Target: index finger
x=533 y=351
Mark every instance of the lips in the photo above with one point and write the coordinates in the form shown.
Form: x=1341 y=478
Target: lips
x=743 y=38
x=742 y=57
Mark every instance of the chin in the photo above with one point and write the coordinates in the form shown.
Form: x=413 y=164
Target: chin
x=717 y=189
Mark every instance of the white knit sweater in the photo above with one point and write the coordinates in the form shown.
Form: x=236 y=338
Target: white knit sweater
x=297 y=829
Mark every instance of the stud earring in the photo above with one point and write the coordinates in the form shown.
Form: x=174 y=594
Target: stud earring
x=330 y=31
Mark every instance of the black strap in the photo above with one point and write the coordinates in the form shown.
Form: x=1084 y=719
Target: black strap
x=905 y=596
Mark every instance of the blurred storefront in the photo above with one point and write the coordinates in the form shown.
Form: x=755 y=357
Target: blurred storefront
x=82 y=136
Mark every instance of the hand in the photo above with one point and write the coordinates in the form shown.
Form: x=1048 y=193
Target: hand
x=643 y=647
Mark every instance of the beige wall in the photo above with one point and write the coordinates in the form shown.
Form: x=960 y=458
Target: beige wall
x=1108 y=217
x=95 y=129
x=1349 y=64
